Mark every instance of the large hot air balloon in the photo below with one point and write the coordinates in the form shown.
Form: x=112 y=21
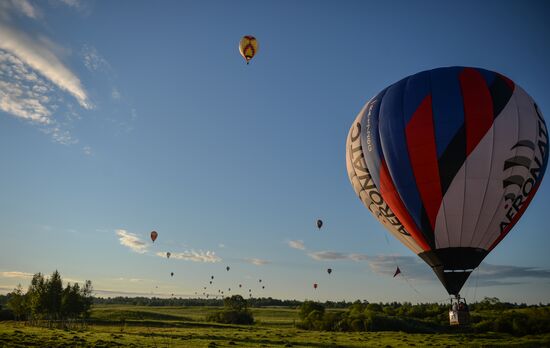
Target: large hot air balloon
x=319 y=224
x=448 y=160
x=154 y=235
x=248 y=47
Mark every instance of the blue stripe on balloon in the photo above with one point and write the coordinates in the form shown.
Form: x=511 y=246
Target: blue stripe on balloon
x=447 y=105
x=488 y=76
x=370 y=138
x=417 y=88
x=394 y=146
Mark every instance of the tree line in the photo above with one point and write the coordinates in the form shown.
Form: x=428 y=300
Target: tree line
x=47 y=302
x=485 y=316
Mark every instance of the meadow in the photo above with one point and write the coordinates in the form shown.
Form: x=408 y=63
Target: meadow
x=150 y=326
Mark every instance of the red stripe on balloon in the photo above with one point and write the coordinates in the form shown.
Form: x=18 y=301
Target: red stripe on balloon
x=422 y=149
x=517 y=216
x=478 y=107
x=392 y=198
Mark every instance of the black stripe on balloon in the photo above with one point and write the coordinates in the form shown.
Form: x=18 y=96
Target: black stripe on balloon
x=452 y=159
x=426 y=228
x=517 y=161
x=501 y=94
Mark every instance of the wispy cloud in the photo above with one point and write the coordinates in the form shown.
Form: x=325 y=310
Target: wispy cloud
x=38 y=55
x=87 y=150
x=22 y=7
x=115 y=94
x=131 y=241
x=16 y=274
x=257 y=262
x=297 y=244
x=93 y=60
x=192 y=255
x=329 y=255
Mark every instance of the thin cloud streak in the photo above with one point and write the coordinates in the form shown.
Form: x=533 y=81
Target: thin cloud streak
x=297 y=244
x=38 y=56
x=192 y=255
x=16 y=274
x=257 y=262
x=131 y=241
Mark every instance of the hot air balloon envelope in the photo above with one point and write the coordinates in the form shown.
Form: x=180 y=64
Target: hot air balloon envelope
x=448 y=160
x=154 y=235
x=248 y=47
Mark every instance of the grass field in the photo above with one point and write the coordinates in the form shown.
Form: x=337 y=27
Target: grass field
x=135 y=326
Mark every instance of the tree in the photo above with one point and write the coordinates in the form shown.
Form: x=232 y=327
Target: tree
x=54 y=294
x=17 y=303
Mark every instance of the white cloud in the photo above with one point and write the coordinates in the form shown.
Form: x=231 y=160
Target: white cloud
x=93 y=60
x=131 y=241
x=87 y=150
x=38 y=55
x=297 y=244
x=16 y=274
x=23 y=7
x=22 y=92
x=257 y=262
x=328 y=255
x=195 y=256
x=221 y=245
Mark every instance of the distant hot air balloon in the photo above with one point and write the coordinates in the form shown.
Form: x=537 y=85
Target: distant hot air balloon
x=319 y=224
x=249 y=290
x=315 y=285
x=240 y=285
x=448 y=160
x=154 y=236
x=329 y=270
x=263 y=286
x=260 y=280
x=229 y=289
x=248 y=47
x=211 y=277
x=168 y=255
x=171 y=274
x=204 y=288
x=227 y=268
x=210 y=282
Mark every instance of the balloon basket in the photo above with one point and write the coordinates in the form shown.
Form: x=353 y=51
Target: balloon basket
x=459 y=313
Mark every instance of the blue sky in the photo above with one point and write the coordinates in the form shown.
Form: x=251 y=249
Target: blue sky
x=118 y=118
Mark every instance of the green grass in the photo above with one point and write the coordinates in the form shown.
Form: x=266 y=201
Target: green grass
x=185 y=327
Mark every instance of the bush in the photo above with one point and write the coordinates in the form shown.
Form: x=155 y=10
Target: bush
x=231 y=316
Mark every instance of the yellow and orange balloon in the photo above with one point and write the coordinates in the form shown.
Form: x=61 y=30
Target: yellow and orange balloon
x=248 y=47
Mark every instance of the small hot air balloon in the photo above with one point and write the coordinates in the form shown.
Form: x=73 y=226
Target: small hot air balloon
x=154 y=236
x=240 y=285
x=204 y=288
x=229 y=289
x=211 y=277
x=319 y=224
x=260 y=280
x=171 y=274
x=329 y=270
x=248 y=47
x=168 y=255
x=227 y=268
x=210 y=282
x=249 y=290
x=263 y=286
x=315 y=285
